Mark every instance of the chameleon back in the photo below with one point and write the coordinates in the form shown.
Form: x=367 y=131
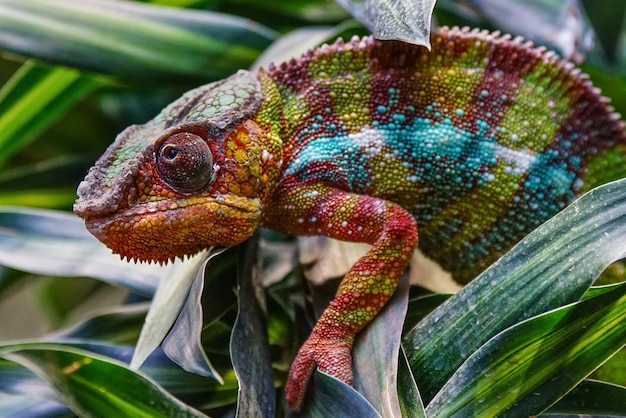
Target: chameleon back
x=482 y=139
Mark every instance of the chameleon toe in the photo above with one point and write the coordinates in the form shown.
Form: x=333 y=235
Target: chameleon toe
x=330 y=356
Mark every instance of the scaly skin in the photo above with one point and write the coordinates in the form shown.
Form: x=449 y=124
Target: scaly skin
x=477 y=142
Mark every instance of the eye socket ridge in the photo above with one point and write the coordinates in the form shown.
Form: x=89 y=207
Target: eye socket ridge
x=184 y=162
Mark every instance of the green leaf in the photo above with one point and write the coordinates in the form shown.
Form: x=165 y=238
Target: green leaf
x=17 y=380
x=167 y=303
x=133 y=40
x=96 y=386
x=405 y=20
x=56 y=243
x=599 y=290
x=53 y=198
x=136 y=41
x=188 y=327
x=421 y=306
x=530 y=366
x=120 y=324
x=553 y=266
x=408 y=393
x=249 y=344
x=285 y=14
x=594 y=398
x=375 y=354
x=35 y=97
x=608 y=23
x=330 y=397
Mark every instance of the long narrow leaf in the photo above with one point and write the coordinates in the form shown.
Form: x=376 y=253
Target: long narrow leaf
x=119 y=324
x=19 y=381
x=527 y=368
x=592 y=397
x=96 y=386
x=376 y=354
x=406 y=20
x=188 y=328
x=129 y=39
x=166 y=306
x=54 y=198
x=408 y=393
x=33 y=98
x=249 y=344
x=57 y=243
x=551 y=267
x=136 y=41
x=331 y=397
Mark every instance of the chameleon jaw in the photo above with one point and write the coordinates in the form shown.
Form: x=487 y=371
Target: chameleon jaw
x=148 y=234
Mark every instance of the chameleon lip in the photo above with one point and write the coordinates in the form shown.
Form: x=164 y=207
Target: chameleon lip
x=123 y=231
x=117 y=216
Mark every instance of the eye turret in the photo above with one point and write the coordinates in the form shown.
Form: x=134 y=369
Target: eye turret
x=185 y=162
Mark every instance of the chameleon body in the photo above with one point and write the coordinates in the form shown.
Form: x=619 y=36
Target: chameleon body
x=477 y=142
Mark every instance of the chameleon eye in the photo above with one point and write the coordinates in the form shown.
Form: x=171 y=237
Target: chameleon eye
x=184 y=162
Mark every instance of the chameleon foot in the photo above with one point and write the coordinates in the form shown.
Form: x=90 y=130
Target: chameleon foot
x=329 y=355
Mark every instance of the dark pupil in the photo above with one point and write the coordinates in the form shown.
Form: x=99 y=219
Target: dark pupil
x=171 y=153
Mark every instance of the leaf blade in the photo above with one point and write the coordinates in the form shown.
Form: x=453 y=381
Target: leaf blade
x=95 y=386
x=592 y=397
x=166 y=305
x=34 y=97
x=530 y=366
x=376 y=351
x=522 y=284
x=133 y=40
x=405 y=20
x=249 y=344
x=57 y=243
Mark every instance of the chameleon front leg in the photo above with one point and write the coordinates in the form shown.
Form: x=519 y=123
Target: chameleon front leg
x=366 y=287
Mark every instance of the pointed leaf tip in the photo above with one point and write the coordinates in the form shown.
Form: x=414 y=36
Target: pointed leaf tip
x=404 y=20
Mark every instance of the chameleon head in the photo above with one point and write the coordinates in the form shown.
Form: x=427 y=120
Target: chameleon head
x=193 y=177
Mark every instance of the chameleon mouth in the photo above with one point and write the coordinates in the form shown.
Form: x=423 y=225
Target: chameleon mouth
x=164 y=231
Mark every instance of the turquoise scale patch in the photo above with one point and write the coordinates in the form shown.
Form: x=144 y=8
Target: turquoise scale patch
x=447 y=160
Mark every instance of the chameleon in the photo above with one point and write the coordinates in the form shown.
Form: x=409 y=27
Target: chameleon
x=473 y=144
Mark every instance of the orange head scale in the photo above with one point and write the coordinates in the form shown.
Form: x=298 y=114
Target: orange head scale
x=193 y=177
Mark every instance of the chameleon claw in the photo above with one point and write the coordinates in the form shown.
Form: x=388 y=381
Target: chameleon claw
x=299 y=375
x=329 y=355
